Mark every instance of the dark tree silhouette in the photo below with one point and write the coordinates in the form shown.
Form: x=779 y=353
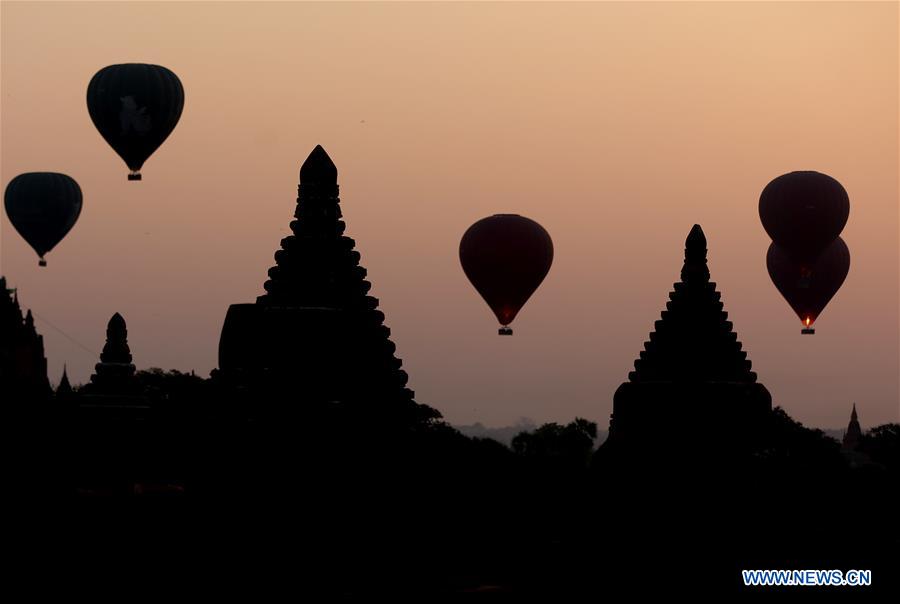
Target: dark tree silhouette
x=882 y=445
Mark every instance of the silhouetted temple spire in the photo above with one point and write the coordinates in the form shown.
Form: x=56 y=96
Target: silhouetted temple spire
x=853 y=433
x=64 y=389
x=116 y=349
x=316 y=265
x=692 y=378
x=695 y=269
x=115 y=371
x=316 y=332
x=318 y=169
x=693 y=340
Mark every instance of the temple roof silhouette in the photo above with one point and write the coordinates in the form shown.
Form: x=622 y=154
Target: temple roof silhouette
x=315 y=331
x=317 y=265
x=693 y=340
x=23 y=366
x=691 y=392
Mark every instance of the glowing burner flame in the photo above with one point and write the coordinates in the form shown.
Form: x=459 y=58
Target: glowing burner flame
x=808 y=321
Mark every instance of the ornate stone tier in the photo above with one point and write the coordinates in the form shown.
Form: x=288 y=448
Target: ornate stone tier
x=316 y=327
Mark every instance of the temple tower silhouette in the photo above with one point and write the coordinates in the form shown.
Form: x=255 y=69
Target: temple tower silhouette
x=23 y=366
x=115 y=371
x=113 y=390
x=315 y=336
x=692 y=390
x=853 y=433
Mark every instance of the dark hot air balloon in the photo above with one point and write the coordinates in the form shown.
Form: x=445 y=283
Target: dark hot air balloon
x=803 y=212
x=506 y=256
x=135 y=107
x=43 y=207
x=808 y=287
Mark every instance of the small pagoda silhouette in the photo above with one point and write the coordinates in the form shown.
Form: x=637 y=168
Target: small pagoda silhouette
x=316 y=336
x=692 y=393
x=113 y=383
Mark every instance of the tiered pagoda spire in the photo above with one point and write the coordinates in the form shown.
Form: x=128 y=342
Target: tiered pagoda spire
x=115 y=371
x=693 y=340
x=316 y=332
x=692 y=383
x=317 y=265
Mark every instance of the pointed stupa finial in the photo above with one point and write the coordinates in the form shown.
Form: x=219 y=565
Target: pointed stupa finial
x=29 y=320
x=64 y=387
x=318 y=169
x=853 y=416
x=116 y=349
x=695 y=244
x=695 y=269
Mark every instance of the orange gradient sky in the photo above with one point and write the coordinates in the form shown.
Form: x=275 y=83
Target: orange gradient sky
x=617 y=126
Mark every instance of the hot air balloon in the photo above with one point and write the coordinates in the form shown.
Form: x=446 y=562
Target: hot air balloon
x=135 y=107
x=43 y=207
x=809 y=286
x=506 y=257
x=803 y=212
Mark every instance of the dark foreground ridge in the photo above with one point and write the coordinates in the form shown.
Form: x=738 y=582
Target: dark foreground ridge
x=304 y=467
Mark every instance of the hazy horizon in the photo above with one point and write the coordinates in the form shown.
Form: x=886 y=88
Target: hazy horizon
x=617 y=126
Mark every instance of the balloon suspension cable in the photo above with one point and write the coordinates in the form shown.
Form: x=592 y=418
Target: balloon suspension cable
x=93 y=353
x=134 y=175
x=505 y=331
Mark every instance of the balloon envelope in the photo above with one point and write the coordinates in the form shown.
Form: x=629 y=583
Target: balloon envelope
x=135 y=107
x=506 y=257
x=808 y=287
x=43 y=207
x=803 y=212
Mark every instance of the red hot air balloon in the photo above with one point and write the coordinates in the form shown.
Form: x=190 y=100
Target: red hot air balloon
x=808 y=287
x=43 y=208
x=803 y=212
x=506 y=257
x=135 y=107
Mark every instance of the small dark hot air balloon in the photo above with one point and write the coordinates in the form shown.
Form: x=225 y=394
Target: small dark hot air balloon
x=803 y=212
x=808 y=287
x=135 y=107
x=506 y=257
x=43 y=207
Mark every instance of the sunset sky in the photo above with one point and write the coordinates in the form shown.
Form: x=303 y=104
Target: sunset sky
x=617 y=126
